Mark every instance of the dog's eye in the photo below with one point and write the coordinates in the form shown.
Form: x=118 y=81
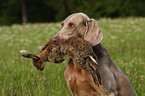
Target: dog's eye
x=71 y=25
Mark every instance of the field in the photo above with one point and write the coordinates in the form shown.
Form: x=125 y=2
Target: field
x=123 y=38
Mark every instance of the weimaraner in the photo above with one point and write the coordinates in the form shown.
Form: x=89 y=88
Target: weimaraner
x=80 y=82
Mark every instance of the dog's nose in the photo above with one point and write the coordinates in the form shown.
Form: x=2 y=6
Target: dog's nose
x=55 y=40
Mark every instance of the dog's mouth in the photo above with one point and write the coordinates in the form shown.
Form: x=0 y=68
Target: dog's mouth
x=57 y=40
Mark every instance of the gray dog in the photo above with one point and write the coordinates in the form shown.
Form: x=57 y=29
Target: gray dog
x=114 y=80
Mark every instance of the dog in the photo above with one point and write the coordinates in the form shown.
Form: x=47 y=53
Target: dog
x=114 y=80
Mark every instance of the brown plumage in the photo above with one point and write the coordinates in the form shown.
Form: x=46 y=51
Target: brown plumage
x=77 y=49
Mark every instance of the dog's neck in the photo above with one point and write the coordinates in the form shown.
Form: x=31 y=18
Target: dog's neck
x=101 y=52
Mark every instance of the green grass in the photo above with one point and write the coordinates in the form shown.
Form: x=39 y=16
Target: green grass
x=123 y=38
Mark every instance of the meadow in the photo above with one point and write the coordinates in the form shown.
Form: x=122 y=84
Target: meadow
x=123 y=38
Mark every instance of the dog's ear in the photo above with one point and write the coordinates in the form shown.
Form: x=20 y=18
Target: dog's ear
x=93 y=33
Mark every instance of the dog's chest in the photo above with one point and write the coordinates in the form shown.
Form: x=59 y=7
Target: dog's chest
x=80 y=82
x=77 y=83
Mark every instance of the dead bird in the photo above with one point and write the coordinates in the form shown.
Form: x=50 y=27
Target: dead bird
x=76 y=48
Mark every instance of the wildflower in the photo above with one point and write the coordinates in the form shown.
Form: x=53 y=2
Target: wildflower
x=141 y=78
x=44 y=79
x=40 y=47
x=14 y=93
x=23 y=51
x=127 y=73
x=9 y=89
x=114 y=37
x=10 y=44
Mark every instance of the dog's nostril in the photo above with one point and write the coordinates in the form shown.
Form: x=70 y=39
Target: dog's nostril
x=55 y=40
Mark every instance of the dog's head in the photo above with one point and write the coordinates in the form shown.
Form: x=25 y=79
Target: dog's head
x=79 y=24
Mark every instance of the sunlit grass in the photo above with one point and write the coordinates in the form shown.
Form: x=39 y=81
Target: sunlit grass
x=123 y=38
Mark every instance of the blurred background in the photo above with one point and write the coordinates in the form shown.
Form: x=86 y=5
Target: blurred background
x=32 y=11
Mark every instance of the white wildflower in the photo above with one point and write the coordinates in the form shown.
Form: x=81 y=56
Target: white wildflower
x=40 y=47
x=23 y=51
x=114 y=37
x=10 y=44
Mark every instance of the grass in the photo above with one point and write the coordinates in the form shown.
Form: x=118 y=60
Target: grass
x=123 y=38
